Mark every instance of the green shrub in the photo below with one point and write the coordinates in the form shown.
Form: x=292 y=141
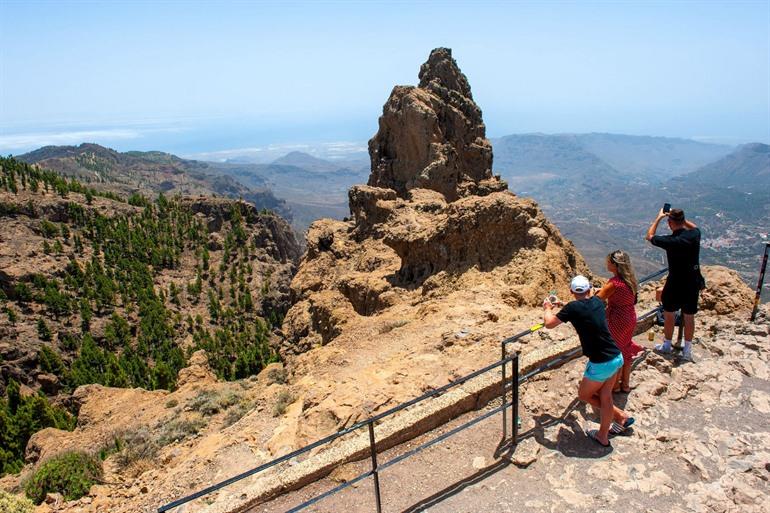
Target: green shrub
x=282 y=402
x=71 y=474
x=21 y=417
x=172 y=403
x=10 y=503
x=48 y=229
x=180 y=429
x=277 y=375
x=135 y=446
x=209 y=403
x=43 y=331
x=51 y=362
x=235 y=414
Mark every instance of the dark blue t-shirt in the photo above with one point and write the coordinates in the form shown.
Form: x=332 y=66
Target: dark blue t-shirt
x=590 y=321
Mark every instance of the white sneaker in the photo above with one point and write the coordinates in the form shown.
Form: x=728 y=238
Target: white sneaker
x=662 y=348
x=687 y=355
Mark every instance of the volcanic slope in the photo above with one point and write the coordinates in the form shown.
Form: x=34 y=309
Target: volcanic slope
x=99 y=290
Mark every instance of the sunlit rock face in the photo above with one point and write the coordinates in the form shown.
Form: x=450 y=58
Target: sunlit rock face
x=433 y=137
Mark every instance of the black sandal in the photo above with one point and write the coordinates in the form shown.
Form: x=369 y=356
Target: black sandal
x=592 y=435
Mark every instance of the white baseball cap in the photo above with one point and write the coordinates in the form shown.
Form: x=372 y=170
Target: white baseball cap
x=580 y=284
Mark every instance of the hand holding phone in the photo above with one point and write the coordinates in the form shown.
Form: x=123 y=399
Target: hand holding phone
x=666 y=208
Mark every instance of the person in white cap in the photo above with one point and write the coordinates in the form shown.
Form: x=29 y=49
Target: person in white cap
x=587 y=315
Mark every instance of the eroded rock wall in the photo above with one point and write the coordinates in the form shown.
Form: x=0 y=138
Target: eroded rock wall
x=433 y=137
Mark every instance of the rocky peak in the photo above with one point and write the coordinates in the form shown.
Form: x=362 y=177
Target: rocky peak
x=433 y=137
x=440 y=74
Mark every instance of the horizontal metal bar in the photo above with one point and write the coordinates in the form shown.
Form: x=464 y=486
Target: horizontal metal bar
x=331 y=491
x=552 y=363
x=438 y=391
x=650 y=313
x=654 y=275
x=399 y=458
x=331 y=437
x=443 y=436
x=523 y=334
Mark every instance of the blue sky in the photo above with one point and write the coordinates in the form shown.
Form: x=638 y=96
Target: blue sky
x=194 y=77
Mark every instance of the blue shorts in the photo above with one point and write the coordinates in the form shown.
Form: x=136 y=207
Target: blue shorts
x=603 y=371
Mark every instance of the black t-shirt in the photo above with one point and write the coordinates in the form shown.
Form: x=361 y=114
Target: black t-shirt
x=590 y=322
x=683 y=254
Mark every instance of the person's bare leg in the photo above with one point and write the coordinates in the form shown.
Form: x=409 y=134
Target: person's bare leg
x=607 y=411
x=689 y=326
x=589 y=393
x=668 y=325
x=625 y=374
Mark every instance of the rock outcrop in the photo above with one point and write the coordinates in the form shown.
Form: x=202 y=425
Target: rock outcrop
x=432 y=136
x=725 y=293
x=437 y=262
x=432 y=212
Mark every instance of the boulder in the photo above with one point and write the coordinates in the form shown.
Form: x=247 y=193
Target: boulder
x=725 y=293
x=197 y=371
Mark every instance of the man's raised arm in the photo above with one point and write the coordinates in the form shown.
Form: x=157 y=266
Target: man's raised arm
x=654 y=226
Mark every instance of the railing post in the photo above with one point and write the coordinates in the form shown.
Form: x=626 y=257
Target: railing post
x=515 y=390
x=503 y=394
x=375 y=472
x=760 y=282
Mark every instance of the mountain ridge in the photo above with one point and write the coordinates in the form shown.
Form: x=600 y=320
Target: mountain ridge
x=149 y=173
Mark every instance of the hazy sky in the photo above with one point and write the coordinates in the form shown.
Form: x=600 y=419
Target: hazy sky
x=206 y=76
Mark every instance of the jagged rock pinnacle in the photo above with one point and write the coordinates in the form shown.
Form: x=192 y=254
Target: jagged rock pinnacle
x=433 y=137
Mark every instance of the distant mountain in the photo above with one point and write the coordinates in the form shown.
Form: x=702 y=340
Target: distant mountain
x=313 y=188
x=150 y=173
x=651 y=157
x=546 y=156
x=529 y=161
x=746 y=169
x=306 y=161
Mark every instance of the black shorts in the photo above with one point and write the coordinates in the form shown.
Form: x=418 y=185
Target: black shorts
x=682 y=296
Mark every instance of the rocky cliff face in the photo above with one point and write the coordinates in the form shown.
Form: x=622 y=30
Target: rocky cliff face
x=432 y=136
x=437 y=263
x=431 y=214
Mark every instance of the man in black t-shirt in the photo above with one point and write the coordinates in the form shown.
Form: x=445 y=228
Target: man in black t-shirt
x=684 y=279
x=587 y=315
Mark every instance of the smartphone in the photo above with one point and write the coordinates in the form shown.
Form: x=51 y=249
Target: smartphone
x=666 y=208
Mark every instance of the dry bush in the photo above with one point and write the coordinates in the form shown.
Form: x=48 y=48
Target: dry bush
x=180 y=429
x=391 y=325
x=210 y=403
x=284 y=399
x=277 y=375
x=137 y=445
x=237 y=413
x=10 y=503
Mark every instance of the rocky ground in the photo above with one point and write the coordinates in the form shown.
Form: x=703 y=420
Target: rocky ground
x=700 y=443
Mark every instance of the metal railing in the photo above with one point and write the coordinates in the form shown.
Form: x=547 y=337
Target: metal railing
x=369 y=423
